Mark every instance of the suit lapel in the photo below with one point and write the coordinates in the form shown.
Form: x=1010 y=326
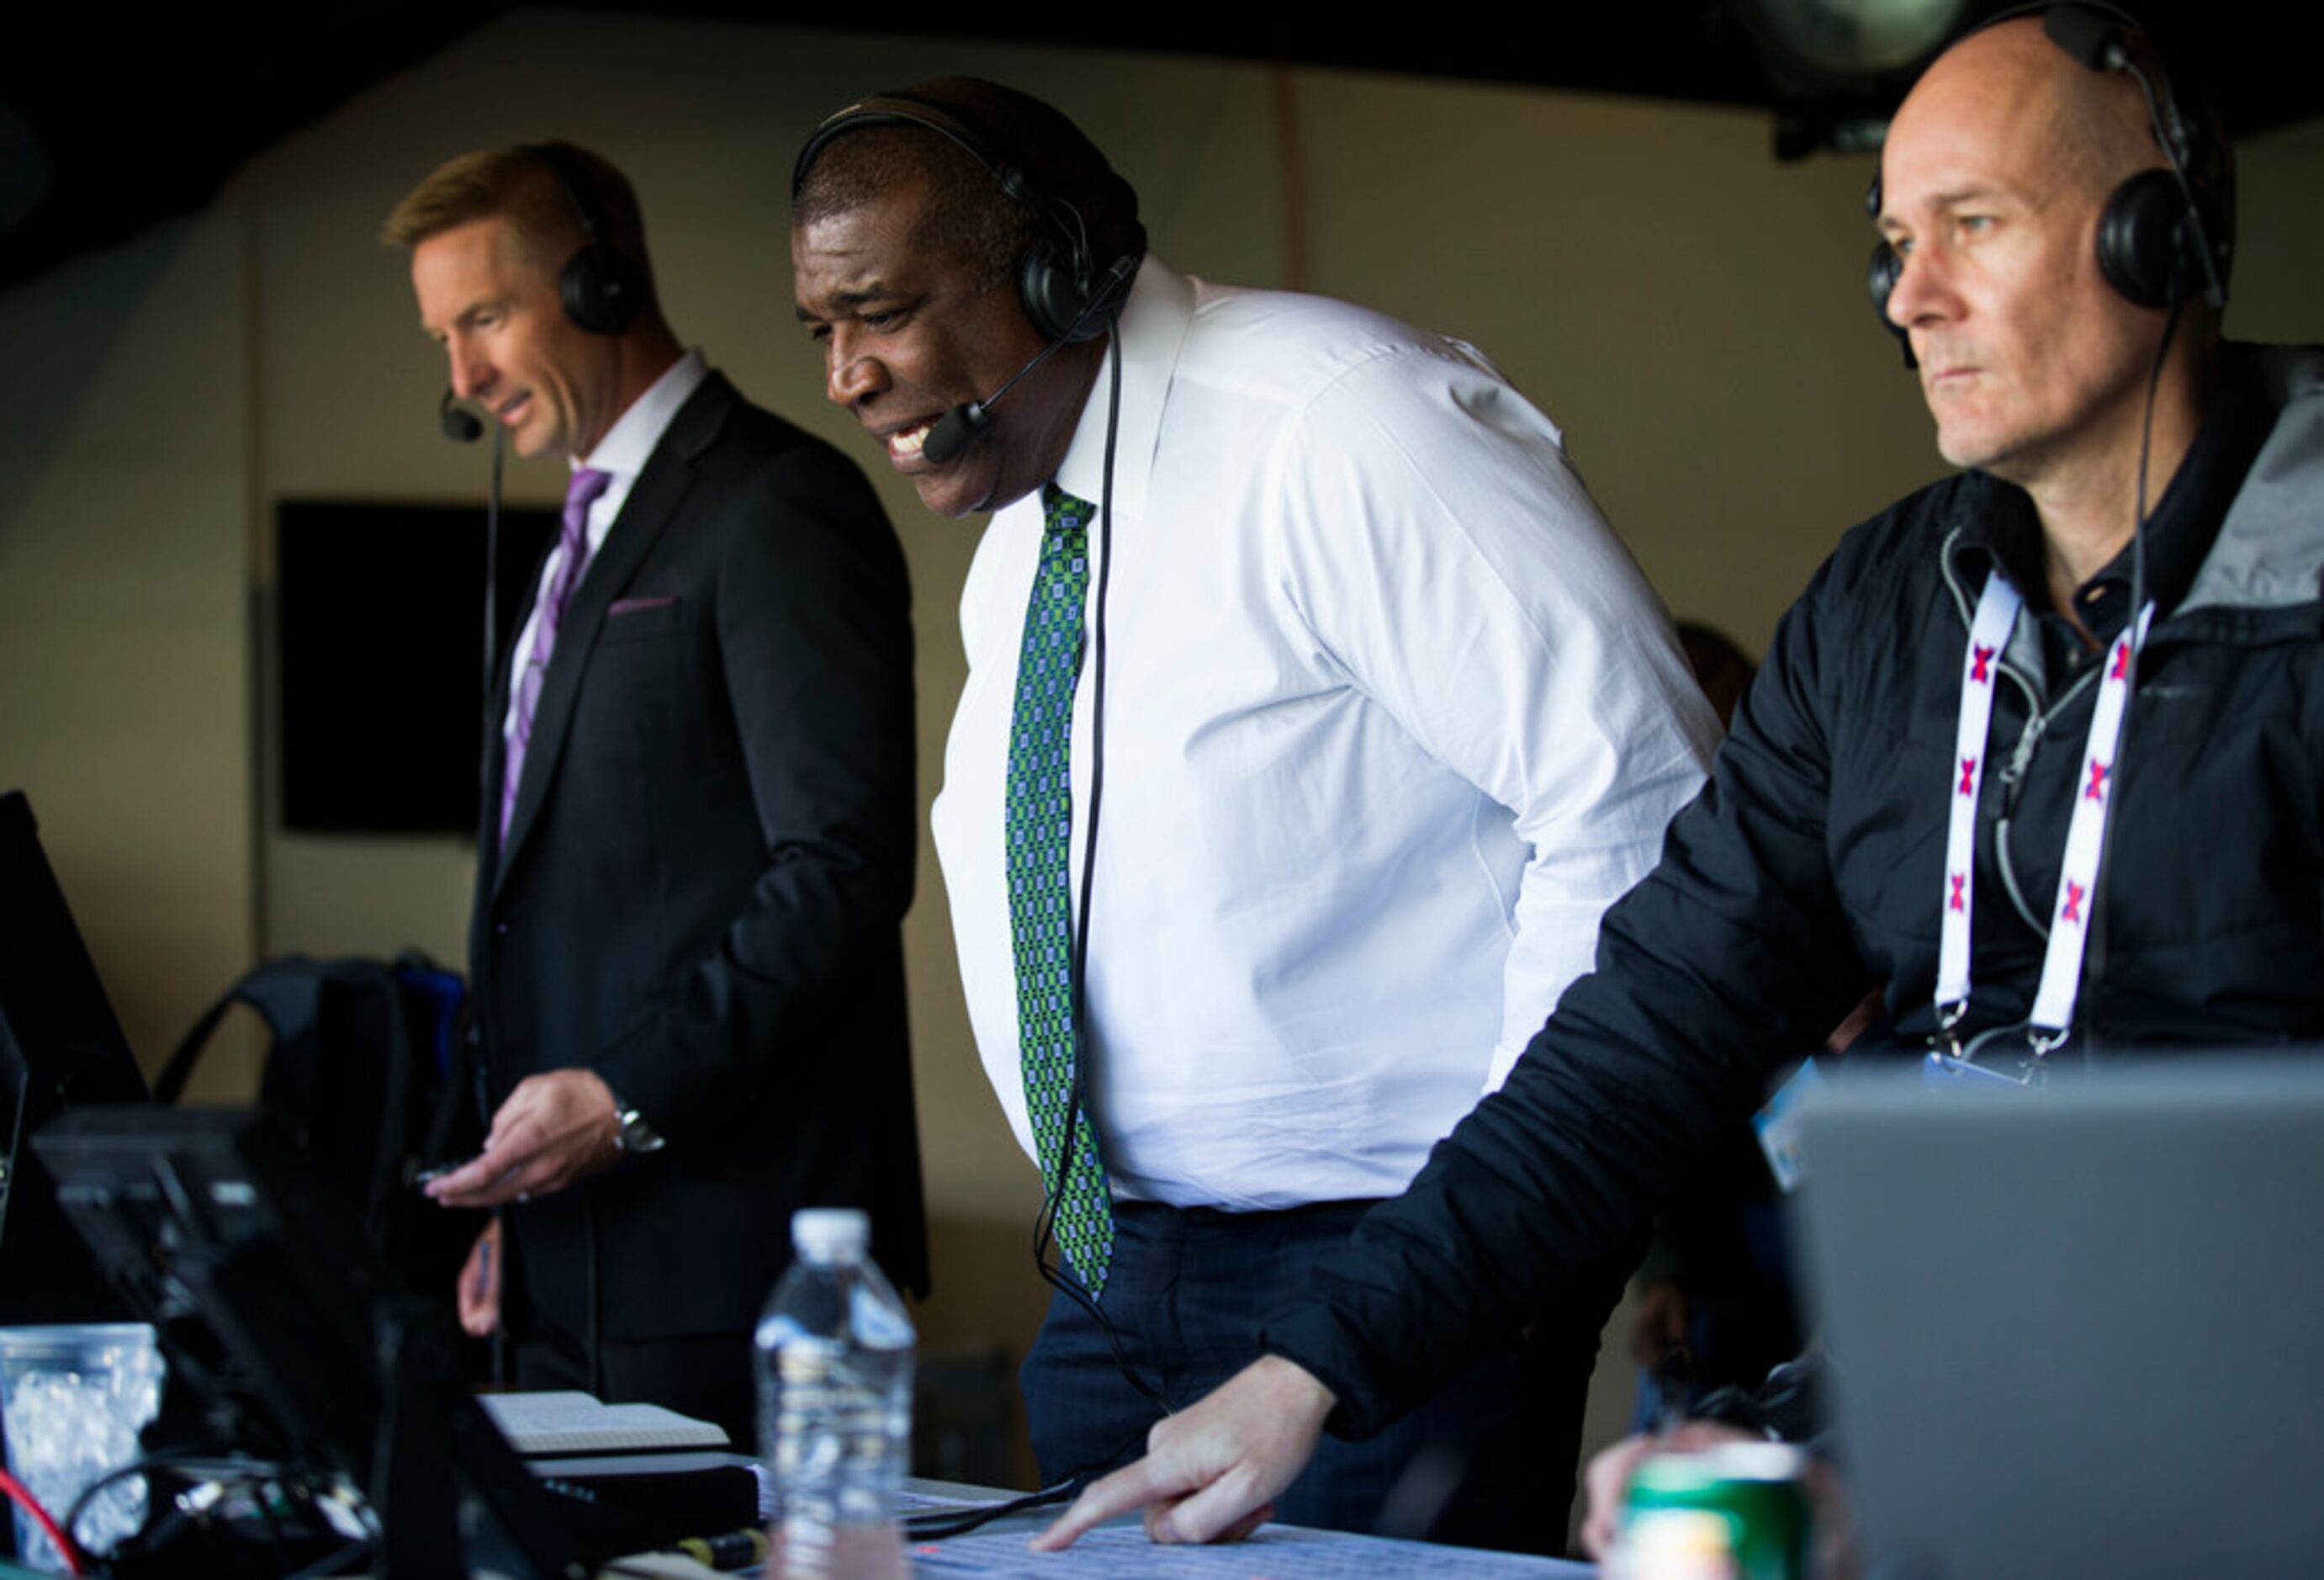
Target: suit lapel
x=653 y=501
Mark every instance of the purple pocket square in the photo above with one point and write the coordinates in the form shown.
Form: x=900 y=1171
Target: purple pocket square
x=637 y=605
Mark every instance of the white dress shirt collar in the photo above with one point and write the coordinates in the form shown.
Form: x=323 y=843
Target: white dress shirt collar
x=622 y=454
x=630 y=440
x=1153 y=330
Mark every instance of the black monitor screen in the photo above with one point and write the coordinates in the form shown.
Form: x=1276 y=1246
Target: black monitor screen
x=379 y=616
x=60 y=1048
x=297 y=1335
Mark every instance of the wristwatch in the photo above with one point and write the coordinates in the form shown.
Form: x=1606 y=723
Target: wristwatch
x=632 y=1134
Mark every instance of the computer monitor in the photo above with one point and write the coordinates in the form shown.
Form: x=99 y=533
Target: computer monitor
x=60 y=1048
x=2073 y=1330
x=300 y=1340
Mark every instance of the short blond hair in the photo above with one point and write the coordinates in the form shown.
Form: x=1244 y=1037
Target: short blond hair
x=522 y=186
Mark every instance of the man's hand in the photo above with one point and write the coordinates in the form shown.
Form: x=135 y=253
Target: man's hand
x=554 y=1130
x=1608 y=1480
x=479 y=1289
x=1211 y=1473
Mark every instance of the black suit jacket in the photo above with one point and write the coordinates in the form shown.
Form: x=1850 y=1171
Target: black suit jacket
x=705 y=871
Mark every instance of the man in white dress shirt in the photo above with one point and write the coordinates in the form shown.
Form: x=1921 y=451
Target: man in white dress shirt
x=1388 y=716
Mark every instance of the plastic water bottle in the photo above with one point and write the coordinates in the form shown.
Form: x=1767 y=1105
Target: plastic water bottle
x=835 y=1362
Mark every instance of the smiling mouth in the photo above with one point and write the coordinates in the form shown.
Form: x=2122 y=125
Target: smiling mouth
x=510 y=409
x=904 y=444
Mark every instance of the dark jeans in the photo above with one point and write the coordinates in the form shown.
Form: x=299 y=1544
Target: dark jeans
x=1488 y=1462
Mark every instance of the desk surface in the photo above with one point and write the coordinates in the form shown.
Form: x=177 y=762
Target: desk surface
x=1276 y=1552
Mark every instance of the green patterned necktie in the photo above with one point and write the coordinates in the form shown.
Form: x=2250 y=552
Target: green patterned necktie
x=1040 y=820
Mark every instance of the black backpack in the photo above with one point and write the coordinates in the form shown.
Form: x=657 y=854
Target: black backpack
x=365 y=1070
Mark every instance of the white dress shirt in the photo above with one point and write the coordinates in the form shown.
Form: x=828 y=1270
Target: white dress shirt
x=620 y=455
x=1390 y=717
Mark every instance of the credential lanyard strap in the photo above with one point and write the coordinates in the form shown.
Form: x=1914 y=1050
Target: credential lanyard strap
x=2062 y=966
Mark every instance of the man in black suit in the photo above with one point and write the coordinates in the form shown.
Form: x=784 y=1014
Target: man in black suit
x=698 y=829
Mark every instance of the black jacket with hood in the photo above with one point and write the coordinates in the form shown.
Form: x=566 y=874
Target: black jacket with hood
x=1812 y=862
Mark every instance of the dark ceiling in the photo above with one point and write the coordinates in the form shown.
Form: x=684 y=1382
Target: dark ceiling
x=107 y=126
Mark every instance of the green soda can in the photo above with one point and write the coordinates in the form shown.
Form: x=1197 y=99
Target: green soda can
x=1738 y=1512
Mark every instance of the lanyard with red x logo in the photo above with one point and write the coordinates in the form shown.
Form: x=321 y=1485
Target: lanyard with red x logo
x=2062 y=964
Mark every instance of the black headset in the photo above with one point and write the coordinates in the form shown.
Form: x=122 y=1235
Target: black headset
x=1060 y=280
x=603 y=288
x=2163 y=238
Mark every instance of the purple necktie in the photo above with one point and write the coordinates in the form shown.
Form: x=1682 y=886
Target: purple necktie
x=573 y=547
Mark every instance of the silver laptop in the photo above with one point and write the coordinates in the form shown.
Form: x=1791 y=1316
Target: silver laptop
x=2078 y=1331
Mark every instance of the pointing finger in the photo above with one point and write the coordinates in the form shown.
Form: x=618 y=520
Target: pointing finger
x=1119 y=1493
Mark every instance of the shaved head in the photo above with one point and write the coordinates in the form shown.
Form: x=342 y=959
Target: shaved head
x=2013 y=82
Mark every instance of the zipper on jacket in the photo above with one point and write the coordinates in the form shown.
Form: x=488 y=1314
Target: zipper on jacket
x=2021 y=755
x=2012 y=783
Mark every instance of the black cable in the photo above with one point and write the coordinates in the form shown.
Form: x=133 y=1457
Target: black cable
x=490 y=754
x=489 y=751
x=492 y=599
x=2095 y=957
x=937 y=1524
x=195 y=1461
x=1045 y=1226
x=589 y=1235
x=232 y=1473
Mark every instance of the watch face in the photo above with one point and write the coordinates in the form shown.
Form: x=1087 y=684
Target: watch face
x=633 y=1134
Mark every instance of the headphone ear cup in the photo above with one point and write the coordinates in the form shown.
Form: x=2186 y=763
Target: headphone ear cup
x=1054 y=296
x=601 y=289
x=1880 y=273
x=2144 y=248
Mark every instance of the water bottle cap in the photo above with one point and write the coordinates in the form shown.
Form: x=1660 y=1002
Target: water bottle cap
x=831 y=1234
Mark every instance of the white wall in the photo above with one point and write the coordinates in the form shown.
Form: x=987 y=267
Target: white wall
x=125 y=506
